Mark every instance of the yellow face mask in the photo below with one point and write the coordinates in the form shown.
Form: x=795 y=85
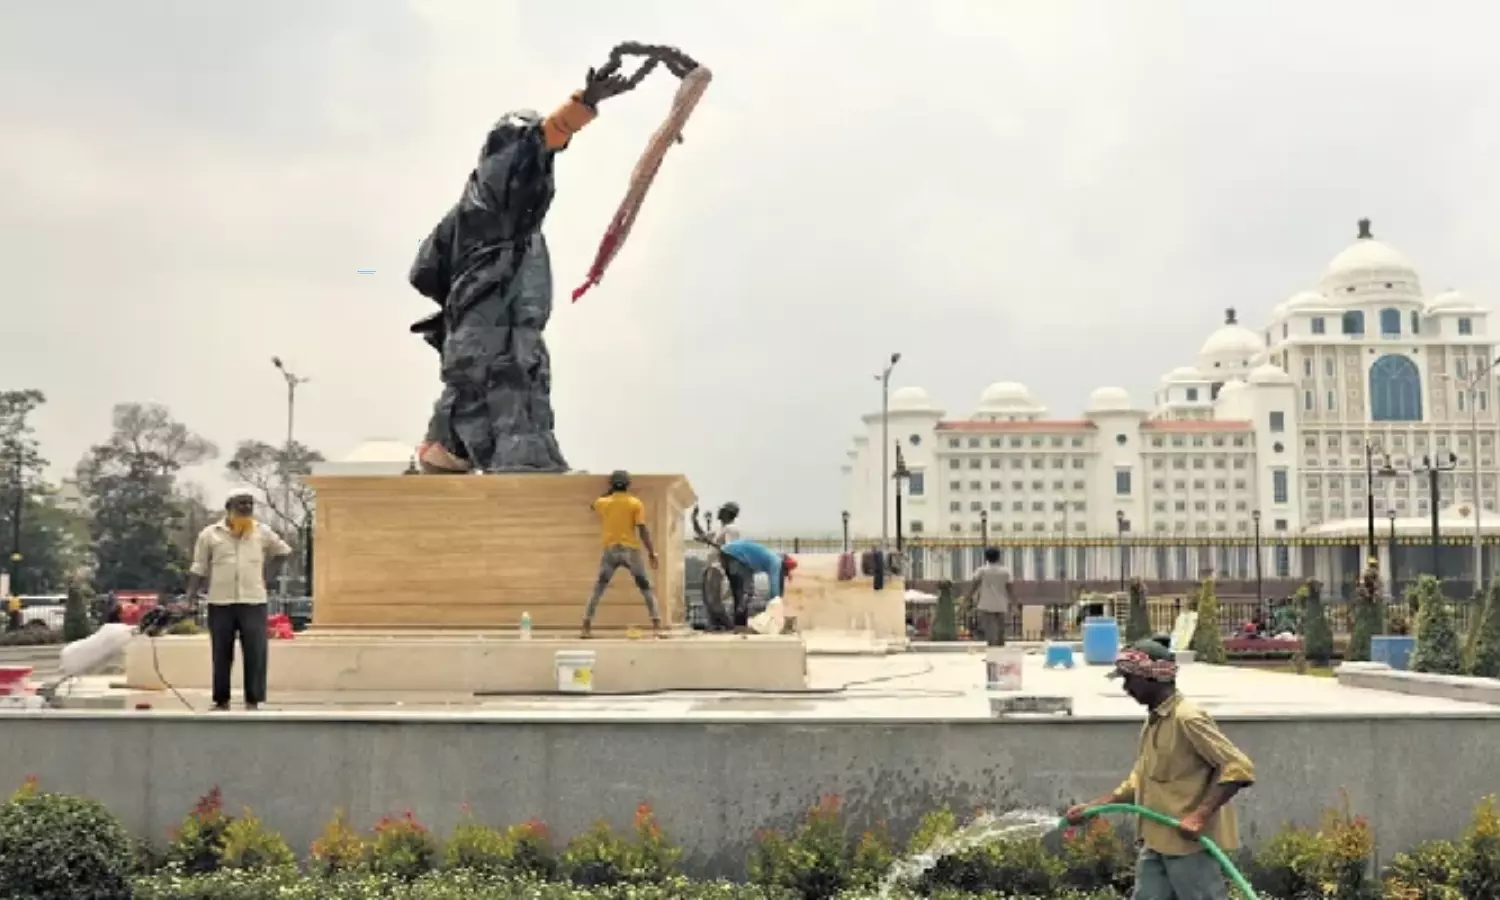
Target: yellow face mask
x=239 y=526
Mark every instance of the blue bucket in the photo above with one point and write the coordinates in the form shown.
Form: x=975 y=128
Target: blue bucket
x=1101 y=640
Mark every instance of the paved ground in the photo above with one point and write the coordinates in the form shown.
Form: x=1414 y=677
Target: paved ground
x=901 y=686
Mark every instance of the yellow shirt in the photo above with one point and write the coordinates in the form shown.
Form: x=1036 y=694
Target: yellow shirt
x=1183 y=755
x=619 y=517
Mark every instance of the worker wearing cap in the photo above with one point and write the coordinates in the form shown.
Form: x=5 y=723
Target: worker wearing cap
x=758 y=559
x=232 y=554
x=622 y=523
x=1186 y=769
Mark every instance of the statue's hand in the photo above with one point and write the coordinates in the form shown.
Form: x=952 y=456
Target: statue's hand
x=602 y=86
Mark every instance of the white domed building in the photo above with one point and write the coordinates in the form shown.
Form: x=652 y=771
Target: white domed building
x=1264 y=433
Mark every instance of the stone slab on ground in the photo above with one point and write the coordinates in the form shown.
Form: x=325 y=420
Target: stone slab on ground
x=1380 y=677
x=909 y=687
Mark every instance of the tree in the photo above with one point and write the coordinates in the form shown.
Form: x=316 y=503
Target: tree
x=27 y=547
x=1486 y=661
x=1317 y=634
x=1437 y=648
x=1208 y=636
x=944 y=620
x=1367 y=613
x=130 y=482
x=1138 y=624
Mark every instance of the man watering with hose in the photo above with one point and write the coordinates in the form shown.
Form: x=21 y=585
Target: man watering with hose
x=1185 y=769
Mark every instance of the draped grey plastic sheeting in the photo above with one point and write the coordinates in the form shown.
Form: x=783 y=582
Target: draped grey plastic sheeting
x=486 y=265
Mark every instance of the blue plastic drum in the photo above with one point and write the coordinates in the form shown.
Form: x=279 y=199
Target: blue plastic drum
x=1101 y=640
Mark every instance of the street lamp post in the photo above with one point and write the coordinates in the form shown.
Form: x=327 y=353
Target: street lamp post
x=845 y=516
x=1472 y=389
x=1391 y=549
x=984 y=528
x=885 y=448
x=1122 y=524
x=1260 y=592
x=292 y=383
x=900 y=477
x=1432 y=469
x=1372 y=448
x=18 y=507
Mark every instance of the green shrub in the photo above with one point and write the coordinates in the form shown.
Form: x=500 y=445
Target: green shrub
x=1431 y=871
x=944 y=617
x=1097 y=857
x=1437 y=647
x=339 y=849
x=523 y=850
x=195 y=845
x=401 y=846
x=1328 y=863
x=1015 y=867
x=76 y=622
x=1485 y=659
x=1208 y=637
x=1481 y=852
x=29 y=637
x=814 y=862
x=601 y=857
x=1138 y=624
x=57 y=847
x=248 y=844
x=1317 y=634
x=1367 y=614
x=454 y=885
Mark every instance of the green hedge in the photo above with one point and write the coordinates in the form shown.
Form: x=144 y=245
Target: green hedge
x=58 y=847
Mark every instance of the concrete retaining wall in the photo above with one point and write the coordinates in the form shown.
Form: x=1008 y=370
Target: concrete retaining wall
x=714 y=783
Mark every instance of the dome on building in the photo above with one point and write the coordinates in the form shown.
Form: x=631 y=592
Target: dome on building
x=1008 y=398
x=1109 y=399
x=381 y=450
x=1450 y=300
x=1367 y=260
x=1183 y=373
x=1230 y=346
x=910 y=399
x=1269 y=374
x=1306 y=300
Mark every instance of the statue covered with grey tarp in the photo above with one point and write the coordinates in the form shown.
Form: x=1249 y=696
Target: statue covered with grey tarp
x=486 y=265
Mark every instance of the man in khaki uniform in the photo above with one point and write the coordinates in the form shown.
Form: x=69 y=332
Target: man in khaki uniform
x=1186 y=769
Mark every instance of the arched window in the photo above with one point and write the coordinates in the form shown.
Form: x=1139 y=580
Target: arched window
x=1354 y=322
x=1390 y=322
x=1395 y=390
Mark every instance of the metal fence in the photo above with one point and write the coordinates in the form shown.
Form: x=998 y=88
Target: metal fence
x=1066 y=623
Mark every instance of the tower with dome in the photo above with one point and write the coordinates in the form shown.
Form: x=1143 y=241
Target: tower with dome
x=1266 y=425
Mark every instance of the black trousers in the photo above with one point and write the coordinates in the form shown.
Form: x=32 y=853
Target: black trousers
x=247 y=621
x=741 y=587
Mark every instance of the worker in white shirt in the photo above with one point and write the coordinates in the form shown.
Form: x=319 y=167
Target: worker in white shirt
x=233 y=554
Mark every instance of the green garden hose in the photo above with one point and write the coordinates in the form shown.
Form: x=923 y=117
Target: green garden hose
x=1209 y=846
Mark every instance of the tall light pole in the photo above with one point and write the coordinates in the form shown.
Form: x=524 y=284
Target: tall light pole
x=1472 y=389
x=1372 y=448
x=1122 y=525
x=1432 y=469
x=293 y=381
x=885 y=451
x=1391 y=514
x=1260 y=592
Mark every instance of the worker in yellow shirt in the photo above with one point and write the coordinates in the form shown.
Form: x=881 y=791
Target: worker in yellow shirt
x=622 y=520
x=13 y=614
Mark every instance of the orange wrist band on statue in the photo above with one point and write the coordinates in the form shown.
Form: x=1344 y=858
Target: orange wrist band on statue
x=567 y=121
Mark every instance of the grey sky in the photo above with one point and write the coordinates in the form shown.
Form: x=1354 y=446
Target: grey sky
x=1063 y=194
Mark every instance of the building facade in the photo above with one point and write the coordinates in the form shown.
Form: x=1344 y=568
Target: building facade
x=1260 y=443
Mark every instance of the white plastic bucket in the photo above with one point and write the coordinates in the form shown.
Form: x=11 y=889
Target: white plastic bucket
x=1002 y=668
x=575 y=671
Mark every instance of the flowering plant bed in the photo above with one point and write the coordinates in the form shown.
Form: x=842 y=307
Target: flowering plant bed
x=61 y=847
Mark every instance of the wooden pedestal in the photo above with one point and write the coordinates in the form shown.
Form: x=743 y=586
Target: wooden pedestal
x=474 y=552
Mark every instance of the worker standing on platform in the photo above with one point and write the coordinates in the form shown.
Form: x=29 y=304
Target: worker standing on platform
x=232 y=554
x=622 y=520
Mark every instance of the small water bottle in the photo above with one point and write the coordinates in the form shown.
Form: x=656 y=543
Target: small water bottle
x=525 y=626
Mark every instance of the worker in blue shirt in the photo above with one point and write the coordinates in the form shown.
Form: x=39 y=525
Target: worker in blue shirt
x=758 y=559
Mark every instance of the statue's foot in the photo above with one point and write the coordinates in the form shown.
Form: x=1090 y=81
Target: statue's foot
x=435 y=459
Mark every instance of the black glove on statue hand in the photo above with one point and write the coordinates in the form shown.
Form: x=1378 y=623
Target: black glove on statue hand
x=603 y=84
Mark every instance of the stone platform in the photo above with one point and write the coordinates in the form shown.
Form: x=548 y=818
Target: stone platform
x=464 y=665
x=822 y=603
x=474 y=553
